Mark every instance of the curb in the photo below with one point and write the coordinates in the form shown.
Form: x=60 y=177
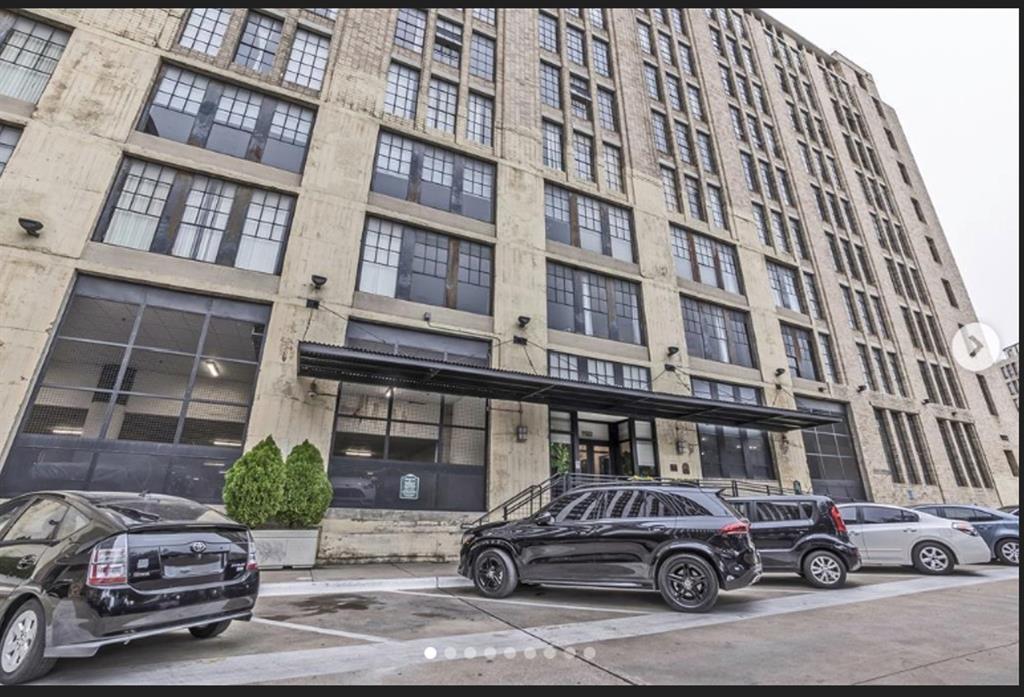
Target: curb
x=366 y=585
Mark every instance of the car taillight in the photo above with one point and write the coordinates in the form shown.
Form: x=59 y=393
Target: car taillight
x=837 y=518
x=252 y=564
x=108 y=565
x=965 y=528
x=740 y=527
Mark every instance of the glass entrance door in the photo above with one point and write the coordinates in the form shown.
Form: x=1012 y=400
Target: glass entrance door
x=595 y=458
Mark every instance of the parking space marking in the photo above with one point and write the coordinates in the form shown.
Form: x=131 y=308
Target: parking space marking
x=344 y=587
x=532 y=603
x=307 y=663
x=321 y=630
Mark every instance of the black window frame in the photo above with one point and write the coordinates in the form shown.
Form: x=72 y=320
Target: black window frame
x=609 y=287
x=560 y=231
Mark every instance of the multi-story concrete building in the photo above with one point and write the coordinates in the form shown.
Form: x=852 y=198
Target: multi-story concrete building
x=460 y=250
x=1009 y=373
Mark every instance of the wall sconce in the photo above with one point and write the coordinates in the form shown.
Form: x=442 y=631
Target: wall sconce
x=523 y=320
x=861 y=388
x=779 y=372
x=925 y=401
x=31 y=227
x=673 y=350
x=318 y=281
x=521 y=433
x=670 y=367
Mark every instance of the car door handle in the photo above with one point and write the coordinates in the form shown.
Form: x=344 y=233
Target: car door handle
x=909 y=529
x=26 y=561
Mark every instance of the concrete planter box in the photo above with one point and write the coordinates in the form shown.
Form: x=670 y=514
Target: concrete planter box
x=280 y=549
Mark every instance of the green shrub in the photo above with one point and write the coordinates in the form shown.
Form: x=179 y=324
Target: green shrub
x=307 y=490
x=254 y=486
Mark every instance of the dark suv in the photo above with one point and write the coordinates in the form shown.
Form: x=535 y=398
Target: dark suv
x=802 y=534
x=683 y=541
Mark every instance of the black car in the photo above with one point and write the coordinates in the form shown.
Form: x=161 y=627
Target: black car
x=80 y=570
x=683 y=541
x=802 y=534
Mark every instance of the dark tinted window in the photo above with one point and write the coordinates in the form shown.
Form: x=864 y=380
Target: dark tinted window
x=39 y=521
x=876 y=514
x=626 y=503
x=586 y=506
x=969 y=514
x=689 y=507
x=774 y=511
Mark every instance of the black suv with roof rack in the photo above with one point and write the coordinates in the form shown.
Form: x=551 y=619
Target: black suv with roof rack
x=803 y=534
x=684 y=541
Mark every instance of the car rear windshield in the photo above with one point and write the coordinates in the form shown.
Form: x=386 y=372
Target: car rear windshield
x=139 y=510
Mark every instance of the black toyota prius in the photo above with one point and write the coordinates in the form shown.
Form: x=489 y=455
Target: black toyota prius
x=80 y=570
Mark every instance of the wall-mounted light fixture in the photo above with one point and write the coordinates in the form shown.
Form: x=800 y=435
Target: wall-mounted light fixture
x=521 y=433
x=780 y=371
x=318 y=281
x=861 y=388
x=523 y=320
x=670 y=367
x=31 y=227
x=673 y=350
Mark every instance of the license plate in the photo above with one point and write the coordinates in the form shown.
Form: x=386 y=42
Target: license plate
x=187 y=570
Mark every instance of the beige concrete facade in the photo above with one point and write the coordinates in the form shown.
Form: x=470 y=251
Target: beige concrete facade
x=73 y=139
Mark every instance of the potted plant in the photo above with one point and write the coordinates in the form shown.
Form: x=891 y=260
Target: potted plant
x=281 y=501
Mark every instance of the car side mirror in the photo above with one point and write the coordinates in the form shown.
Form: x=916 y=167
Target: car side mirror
x=543 y=519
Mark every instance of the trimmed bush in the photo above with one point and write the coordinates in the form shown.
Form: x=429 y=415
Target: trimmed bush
x=254 y=486
x=307 y=490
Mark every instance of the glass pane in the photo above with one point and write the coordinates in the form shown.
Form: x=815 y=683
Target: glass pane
x=170 y=329
x=92 y=318
x=215 y=424
x=231 y=338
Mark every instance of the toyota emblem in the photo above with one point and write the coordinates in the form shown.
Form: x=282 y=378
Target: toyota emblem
x=198 y=547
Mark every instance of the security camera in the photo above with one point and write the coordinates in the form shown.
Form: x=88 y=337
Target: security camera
x=32 y=227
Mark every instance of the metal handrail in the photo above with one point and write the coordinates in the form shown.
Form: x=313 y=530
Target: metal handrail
x=533 y=496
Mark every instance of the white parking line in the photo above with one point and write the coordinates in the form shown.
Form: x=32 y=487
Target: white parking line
x=284 y=665
x=533 y=603
x=371 y=585
x=321 y=630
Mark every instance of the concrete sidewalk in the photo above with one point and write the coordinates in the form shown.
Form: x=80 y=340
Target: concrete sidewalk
x=360 y=578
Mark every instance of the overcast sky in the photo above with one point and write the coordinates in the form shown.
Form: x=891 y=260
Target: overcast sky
x=951 y=76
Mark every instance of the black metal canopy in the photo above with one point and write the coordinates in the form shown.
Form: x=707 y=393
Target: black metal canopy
x=356 y=365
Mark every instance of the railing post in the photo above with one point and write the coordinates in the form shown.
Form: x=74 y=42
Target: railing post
x=735 y=488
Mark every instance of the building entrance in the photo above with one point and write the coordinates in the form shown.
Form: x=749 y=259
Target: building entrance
x=592 y=443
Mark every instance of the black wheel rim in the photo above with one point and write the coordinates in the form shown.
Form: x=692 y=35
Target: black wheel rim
x=490 y=573
x=688 y=583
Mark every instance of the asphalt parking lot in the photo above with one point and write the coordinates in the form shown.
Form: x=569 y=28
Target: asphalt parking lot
x=343 y=627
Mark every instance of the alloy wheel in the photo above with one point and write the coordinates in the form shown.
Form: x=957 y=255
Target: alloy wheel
x=935 y=558
x=491 y=573
x=825 y=570
x=1010 y=551
x=18 y=641
x=688 y=583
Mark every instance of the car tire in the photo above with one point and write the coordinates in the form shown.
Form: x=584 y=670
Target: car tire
x=494 y=573
x=208 y=631
x=22 y=644
x=933 y=558
x=823 y=569
x=1008 y=551
x=688 y=583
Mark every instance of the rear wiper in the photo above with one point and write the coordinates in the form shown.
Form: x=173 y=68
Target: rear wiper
x=132 y=512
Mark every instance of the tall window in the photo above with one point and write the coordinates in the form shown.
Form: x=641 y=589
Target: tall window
x=480 y=120
x=204 y=31
x=247 y=124
x=481 y=57
x=574 y=46
x=596 y=226
x=606 y=117
x=307 y=62
x=550 y=85
x=143 y=389
x=410 y=29
x=553 y=148
x=401 y=261
x=717 y=333
x=433 y=176
x=602 y=62
x=726 y=451
x=587 y=303
x=583 y=155
x=209 y=219
x=9 y=136
x=261 y=37
x=613 y=167
x=29 y=53
x=442 y=104
x=547 y=32
x=800 y=352
x=785 y=287
x=403 y=87
x=448 y=42
x=706 y=260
